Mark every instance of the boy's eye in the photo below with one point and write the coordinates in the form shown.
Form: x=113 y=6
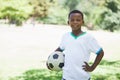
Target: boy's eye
x=71 y=19
x=75 y=20
x=78 y=20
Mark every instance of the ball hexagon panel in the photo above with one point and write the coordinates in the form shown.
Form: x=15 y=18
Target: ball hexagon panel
x=61 y=65
x=55 y=56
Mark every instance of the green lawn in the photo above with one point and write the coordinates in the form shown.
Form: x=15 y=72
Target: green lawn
x=105 y=71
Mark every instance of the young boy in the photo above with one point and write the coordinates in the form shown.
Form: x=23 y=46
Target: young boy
x=77 y=46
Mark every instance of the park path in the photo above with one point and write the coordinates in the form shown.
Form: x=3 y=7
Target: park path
x=27 y=47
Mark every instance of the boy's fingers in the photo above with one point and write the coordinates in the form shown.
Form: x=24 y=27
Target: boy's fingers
x=85 y=69
x=83 y=65
x=86 y=63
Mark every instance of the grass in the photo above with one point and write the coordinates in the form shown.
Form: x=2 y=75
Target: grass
x=106 y=71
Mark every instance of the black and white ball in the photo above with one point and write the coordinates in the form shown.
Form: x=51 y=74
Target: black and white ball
x=55 y=61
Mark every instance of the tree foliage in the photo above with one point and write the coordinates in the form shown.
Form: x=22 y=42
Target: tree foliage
x=110 y=17
x=71 y=4
x=102 y=14
x=40 y=7
x=17 y=11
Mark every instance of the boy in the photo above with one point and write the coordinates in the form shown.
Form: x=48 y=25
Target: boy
x=77 y=46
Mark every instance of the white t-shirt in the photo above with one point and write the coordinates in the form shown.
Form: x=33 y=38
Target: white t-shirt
x=77 y=50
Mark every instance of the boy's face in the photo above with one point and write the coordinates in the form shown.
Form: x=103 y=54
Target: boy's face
x=75 y=21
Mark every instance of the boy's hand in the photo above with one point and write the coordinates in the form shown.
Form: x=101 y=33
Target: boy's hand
x=87 y=68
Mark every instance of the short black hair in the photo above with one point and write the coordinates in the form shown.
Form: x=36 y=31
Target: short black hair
x=76 y=11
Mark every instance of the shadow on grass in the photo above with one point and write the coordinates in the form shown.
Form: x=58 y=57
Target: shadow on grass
x=112 y=63
x=104 y=73
x=39 y=74
x=115 y=76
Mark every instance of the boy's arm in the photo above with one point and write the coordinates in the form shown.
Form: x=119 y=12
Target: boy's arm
x=88 y=68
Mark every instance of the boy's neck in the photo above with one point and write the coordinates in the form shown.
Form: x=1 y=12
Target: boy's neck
x=77 y=32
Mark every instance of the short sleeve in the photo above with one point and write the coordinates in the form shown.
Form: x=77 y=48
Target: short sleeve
x=62 y=43
x=94 y=46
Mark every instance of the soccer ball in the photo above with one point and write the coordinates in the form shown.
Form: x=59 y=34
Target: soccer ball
x=55 y=61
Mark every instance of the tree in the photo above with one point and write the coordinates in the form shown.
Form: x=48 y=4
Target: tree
x=40 y=7
x=70 y=4
x=16 y=11
x=111 y=18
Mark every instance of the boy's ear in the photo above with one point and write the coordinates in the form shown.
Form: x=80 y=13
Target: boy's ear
x=68 y=22
x=83 y=22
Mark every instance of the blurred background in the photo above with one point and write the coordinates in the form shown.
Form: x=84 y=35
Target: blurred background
x=103 y=14
x=31 y=29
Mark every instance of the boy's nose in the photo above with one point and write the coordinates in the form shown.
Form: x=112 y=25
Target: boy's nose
x=75 y=22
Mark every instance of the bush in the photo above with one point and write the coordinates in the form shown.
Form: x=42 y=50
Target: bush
x=39 y=74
